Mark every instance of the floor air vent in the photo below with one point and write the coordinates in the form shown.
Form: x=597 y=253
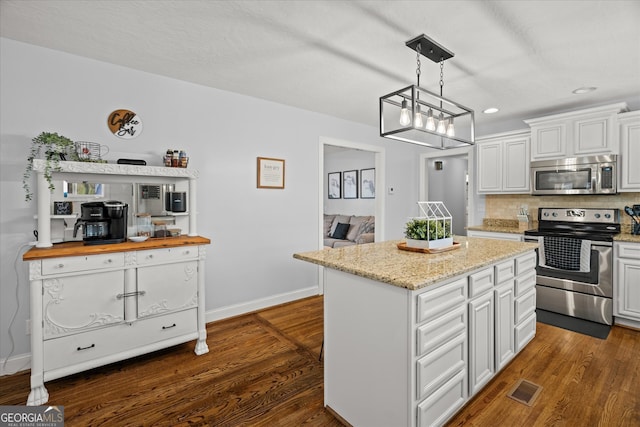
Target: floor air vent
x=525 y=392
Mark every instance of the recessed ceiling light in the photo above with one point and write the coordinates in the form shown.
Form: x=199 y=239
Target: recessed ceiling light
x=491 y=110
x=584 y=90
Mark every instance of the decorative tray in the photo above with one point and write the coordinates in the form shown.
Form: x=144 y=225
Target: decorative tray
x=403 y=246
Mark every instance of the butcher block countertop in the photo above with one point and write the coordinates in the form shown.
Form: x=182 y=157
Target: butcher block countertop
x=384 y=262
x=79 y=248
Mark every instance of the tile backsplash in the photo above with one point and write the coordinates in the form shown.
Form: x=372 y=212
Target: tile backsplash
x=506 y=206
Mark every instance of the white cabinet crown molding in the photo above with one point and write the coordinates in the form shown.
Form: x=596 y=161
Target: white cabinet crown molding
x=604 y=109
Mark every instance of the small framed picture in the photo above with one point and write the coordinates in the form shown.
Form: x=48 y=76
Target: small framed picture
x=368 y=183
x=270 y=173
x=334 y=185
x=350 y=184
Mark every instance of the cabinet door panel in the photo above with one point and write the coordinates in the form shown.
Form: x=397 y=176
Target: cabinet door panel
x=481 y=342
x=628 y=304
x=630 y=153
x=440 y=365
x=77 y=303
x=548 y=141
x=505 y=346
x=525 y=331
x=516 y=166
x=592 y=136
x=168 y=287
x=490 y=167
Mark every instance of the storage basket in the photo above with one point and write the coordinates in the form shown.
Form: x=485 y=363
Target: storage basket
x=90 y=151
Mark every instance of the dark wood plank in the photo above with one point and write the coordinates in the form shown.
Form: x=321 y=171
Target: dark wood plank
x=263 y=370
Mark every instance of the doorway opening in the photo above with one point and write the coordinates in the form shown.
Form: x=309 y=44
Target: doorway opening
x=447 y=177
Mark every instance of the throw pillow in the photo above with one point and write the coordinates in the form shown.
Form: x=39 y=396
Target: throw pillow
x=336 y=220
x=341 y=231
x=356 y=222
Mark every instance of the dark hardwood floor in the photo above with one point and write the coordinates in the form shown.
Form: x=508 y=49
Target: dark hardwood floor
x=263 y=370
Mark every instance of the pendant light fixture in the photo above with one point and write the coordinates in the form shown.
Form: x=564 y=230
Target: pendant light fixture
x=401 y=112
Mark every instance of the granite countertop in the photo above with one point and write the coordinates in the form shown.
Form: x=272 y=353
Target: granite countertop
x=79 y=248
x=496 y=229
x=384 y=262
x=624 y=236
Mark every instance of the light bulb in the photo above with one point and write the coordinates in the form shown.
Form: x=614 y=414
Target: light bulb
x=405 y=117
x=451 y=132
x=417 y=117
x=431 y=123
x=441 y=126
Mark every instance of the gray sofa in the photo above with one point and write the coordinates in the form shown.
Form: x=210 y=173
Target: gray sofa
x=347 y=230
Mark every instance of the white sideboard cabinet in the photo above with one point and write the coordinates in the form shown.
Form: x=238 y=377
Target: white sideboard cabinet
x=91 y=305
x=585 y=132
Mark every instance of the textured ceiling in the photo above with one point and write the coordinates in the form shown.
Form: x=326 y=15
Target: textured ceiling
x=339 y=57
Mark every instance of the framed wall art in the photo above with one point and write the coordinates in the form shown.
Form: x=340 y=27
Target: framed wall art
x=350 y=184
x=368 y=183
x=270 y=173
x=334 y=185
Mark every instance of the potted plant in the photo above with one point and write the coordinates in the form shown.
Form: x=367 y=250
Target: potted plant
x=432 y=230
x=53 y=148
x=428 y=233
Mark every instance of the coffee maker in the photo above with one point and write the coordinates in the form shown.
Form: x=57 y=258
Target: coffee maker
x=102 y=222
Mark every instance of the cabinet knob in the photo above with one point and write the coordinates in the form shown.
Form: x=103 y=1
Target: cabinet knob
x=109 y=261
x=60 y=265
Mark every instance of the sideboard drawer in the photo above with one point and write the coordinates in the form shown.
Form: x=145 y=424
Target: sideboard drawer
x=75 y=349
x=82 y=263
x=158 y=256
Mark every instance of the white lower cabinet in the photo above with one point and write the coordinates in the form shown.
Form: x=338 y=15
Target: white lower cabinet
x=505 y=338
x=414 y=358
x=626 y=307
x=98 y=309
x=481 y=341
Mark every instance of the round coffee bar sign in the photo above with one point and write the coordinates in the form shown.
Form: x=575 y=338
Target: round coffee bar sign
x=124 y=124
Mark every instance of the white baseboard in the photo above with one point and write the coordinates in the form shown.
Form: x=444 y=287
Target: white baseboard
x=21 y=362
x=628 y=323
x=259 y=304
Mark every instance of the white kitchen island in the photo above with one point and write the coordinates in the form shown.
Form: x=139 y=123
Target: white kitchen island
x=411 y=337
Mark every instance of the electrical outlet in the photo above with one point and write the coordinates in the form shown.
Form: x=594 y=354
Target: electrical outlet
x=28 y=326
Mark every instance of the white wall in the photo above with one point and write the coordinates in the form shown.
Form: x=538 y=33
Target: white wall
x=348 y=160
x=254 y=232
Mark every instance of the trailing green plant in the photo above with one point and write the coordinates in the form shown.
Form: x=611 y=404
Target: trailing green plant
x=427 y=229
x=53 y=148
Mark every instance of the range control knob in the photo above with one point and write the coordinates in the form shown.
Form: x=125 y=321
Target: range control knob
x=597 y=216
x=607 y=216
x=546 y=214
x=554 y=214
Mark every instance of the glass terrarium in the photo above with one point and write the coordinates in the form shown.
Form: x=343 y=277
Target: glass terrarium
x=432 y=230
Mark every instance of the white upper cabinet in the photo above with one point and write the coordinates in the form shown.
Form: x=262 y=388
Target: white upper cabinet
x=629 y=179
x=503 y=163
x=578 y=133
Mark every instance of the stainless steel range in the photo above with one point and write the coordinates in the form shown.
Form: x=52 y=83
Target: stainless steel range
x=575 y=261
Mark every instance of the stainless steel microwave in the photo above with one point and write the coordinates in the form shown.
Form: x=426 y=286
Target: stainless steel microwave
x=580 y=175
